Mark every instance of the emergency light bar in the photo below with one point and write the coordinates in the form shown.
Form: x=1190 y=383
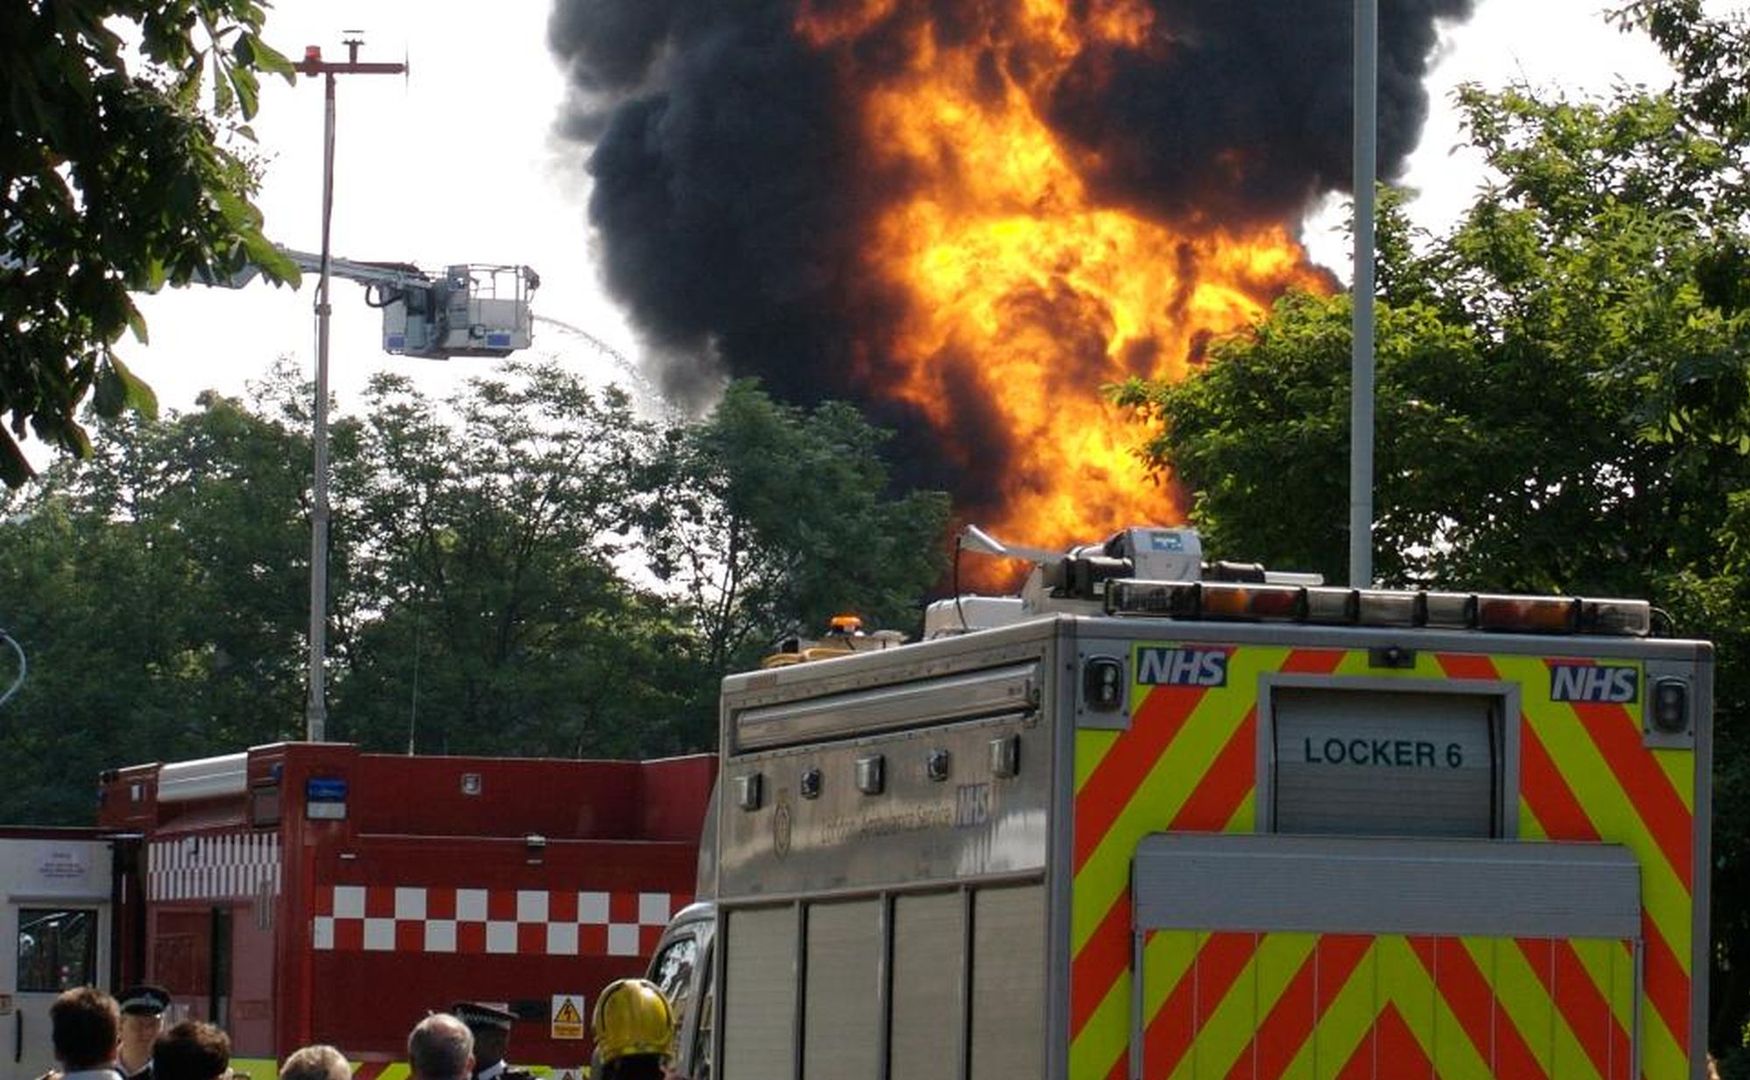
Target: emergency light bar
x=1264 y=602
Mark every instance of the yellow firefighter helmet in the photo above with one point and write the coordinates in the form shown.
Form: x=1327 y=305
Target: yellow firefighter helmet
x=632 y=1017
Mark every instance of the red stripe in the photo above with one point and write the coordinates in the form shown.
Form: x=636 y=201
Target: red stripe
x=1360 y=1065
x=1467 y=666
x=1568 y=985
x=1120 y=1068
x=1225 y=786
x=1667 y=986
x=368 y=1070
x=1551 y=799
x=1219 y=962
x=1313 y=661
x=1587 y=1011
x=1618 y=738
x=1108 y=791
x=1281 y=1034
x=1398 y=1048
x=1484 y=1020
x=1104 y=957
x=1469 y=1000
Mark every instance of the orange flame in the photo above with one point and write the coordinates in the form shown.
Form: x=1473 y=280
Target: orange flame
x=1019 y=285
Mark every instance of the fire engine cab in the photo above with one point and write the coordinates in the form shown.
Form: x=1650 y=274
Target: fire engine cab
x=1165 y=818
x=304 y=892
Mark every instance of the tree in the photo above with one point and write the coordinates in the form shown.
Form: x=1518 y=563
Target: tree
x=1563 y=395
x=487 y=531
x=159 y=590
x=114 y=179
x=771 y=519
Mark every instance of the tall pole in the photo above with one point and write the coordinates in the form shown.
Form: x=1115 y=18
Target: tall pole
x=316 y=708
x=1361 y=357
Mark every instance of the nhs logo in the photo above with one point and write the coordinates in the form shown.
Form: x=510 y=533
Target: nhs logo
x=1609 y=683
x=1159 y=665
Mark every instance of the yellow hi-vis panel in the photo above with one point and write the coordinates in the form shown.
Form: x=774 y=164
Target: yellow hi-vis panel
x=1387 y=1007
x=1330 y=1005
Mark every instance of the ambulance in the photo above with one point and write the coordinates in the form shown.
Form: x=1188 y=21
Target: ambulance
x=58 y=901
x=1158 y=818
x=298 y=893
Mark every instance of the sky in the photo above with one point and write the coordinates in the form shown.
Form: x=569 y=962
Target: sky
x=456 y=162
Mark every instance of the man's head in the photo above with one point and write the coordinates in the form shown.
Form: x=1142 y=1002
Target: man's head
x=316 y=1063
x=192 y=1050
x=85 y=1026
x=142 y=1021
x=441 y=1048
x=491 y=1028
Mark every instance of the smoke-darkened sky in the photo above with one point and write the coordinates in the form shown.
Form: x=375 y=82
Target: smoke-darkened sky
x=731 y=199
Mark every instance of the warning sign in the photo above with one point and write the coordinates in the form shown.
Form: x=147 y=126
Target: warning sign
x=573 y=1073
x=567 y=1016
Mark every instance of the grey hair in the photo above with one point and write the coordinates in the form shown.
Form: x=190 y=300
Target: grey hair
x=440 y=1048
x=316 y=1063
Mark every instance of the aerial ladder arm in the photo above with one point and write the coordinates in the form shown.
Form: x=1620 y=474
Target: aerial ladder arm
x=471 y=309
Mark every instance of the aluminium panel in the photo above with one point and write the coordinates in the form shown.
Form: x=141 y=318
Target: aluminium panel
x=1012 y=688
x=1008 y=992
x=817 y=831
x=842 y=1030
x=928 y=989
x=1452 y=887
x=759 y=1030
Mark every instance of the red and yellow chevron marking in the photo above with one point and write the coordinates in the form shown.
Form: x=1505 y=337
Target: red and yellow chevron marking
x=1585 y=775
x=1188 y=763
x=1349 y=1007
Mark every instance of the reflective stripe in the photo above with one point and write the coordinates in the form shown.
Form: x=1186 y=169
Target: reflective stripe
x=1273 y=1004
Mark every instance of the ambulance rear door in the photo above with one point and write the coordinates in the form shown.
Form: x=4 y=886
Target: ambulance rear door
x=55 y=933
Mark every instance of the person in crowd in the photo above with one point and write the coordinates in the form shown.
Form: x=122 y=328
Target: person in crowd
x=142 y=1022
x=440 y=1048
x=490 y=1026
x=192 y=1050
x=85 y=1028
x=318 y=1062
x=634 y=1031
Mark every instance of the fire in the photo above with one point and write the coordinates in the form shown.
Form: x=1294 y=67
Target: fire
x=1024 y=293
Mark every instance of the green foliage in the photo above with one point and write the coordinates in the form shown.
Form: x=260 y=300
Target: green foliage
x=488 y=531
x=772 y=519
x=1563 y=394
x=490 y=568
x=156 y=591
x=113 y=178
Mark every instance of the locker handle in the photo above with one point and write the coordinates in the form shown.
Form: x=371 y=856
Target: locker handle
x=18 y=1037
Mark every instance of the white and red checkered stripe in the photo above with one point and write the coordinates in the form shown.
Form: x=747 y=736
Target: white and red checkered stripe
x=526 y=922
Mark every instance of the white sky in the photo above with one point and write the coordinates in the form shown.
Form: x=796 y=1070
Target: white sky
x=456 y=163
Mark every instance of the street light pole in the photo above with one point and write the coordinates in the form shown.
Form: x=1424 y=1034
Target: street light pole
x=1361 y=320
x=316 y=710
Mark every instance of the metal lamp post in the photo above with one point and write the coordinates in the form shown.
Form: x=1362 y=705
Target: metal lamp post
x=1361 y=324
x=316 y=710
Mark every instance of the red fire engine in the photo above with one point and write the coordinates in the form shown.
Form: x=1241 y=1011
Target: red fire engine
x=307 y=892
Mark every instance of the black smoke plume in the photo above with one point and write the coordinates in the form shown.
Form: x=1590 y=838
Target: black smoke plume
x=731 y=197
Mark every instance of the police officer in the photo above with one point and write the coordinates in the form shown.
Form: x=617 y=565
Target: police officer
x=142 y=1020
x=634 y=1031
x=491 y=1028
